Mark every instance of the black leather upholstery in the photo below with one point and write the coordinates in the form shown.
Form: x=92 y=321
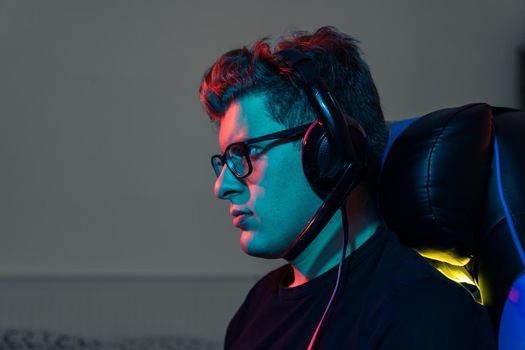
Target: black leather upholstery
x=453 y=187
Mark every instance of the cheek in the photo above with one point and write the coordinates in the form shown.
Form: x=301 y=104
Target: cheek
x=278 y=184
x=257 y=184
x=259 y=170
x=273 y=177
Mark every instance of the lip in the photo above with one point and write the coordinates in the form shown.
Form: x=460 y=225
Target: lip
x=237 y=212
x=241 y=220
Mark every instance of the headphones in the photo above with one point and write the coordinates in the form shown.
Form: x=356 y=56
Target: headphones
x=335 y=152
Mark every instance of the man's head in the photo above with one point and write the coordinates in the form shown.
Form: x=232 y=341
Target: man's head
x=247 y=93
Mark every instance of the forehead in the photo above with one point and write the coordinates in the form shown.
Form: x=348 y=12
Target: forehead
x=245 y=118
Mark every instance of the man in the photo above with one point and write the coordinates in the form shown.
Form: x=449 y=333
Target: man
x=389 y=297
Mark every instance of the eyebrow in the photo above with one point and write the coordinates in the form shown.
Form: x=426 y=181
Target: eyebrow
x=286 y=133
x=244 y=139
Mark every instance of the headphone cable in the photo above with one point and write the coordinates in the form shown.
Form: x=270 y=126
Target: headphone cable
x=314 y=341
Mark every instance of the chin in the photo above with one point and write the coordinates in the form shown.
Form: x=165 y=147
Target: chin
x=253 y=247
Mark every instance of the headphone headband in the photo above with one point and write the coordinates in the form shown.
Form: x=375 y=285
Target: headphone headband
x=328 y=111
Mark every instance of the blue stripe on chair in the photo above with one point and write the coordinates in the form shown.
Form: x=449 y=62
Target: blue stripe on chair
x=396 y=128
x=510 y=222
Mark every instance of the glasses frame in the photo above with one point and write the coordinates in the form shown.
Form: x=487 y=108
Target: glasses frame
x=288 y=133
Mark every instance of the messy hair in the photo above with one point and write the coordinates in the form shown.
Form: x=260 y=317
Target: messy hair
x=257 y=70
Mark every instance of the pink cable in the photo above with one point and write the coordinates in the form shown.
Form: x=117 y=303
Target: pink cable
x=345 y=239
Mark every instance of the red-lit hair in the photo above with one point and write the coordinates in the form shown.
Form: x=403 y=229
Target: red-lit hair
x=256 y=70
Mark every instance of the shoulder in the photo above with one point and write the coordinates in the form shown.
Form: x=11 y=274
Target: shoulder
x=405 y=276
x=434 y=314
x=415 y=303
x=399 y=267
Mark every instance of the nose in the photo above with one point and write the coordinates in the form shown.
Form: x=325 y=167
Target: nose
x=227 y=184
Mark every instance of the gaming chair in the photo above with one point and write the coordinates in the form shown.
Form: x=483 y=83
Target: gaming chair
x=452 y=186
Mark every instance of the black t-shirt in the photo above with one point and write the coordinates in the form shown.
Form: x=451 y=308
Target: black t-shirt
x=391 y=299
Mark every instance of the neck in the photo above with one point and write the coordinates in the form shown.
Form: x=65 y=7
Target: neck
x=325 y=251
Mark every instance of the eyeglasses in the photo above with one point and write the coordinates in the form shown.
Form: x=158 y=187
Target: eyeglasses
x=237 y=155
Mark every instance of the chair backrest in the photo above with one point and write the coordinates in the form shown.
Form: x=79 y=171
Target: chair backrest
x=452 y=186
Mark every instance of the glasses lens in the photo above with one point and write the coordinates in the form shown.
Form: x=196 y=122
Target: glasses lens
x=237 y=158
x=217 y=164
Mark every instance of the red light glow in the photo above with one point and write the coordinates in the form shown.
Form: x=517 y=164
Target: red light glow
x=514 y=295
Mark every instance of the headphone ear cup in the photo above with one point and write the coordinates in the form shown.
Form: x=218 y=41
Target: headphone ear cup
x=322 y=166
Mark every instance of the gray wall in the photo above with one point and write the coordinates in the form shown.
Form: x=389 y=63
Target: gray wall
x=122 y=308
x=104 y=147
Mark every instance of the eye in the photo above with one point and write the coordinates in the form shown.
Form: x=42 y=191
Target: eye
x=256 y=151
x=237 y=150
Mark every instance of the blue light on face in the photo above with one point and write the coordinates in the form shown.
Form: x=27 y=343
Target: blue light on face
x=512 y=326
